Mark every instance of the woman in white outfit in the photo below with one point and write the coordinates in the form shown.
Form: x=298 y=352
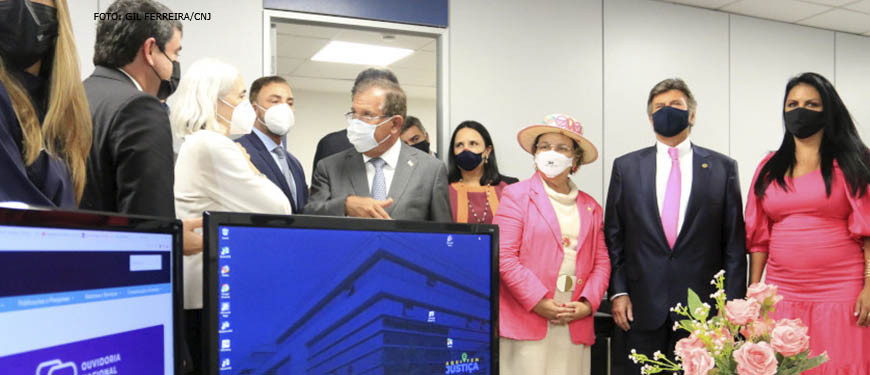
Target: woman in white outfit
x=213 y=173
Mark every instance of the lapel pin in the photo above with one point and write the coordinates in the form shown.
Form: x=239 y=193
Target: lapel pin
x=410 y=163
x=704 y=165
x=588 y=208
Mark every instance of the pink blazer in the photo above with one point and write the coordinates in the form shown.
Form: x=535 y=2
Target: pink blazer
x=530 y=255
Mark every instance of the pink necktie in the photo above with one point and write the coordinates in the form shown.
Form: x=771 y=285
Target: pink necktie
x=671 y=210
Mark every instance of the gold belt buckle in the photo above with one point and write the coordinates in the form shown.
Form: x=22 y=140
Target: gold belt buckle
x=566 y=283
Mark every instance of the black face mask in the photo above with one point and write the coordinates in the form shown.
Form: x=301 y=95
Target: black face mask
x=468 y=160
x=802 y=122
x=27 y=32
x=422 y=146
x=670 y=121
x=167 y=87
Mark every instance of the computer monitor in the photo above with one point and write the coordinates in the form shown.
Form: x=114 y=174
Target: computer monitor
x=84 y=293
x=319 y=295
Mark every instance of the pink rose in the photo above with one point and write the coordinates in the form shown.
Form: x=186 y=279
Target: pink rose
x=688 y=343
x=755 y=359
x=760 y=292
x=741 y=311
x=697 y=361
x=789 y=337
x=757 y=328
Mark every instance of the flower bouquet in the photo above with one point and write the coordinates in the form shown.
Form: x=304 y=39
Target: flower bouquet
x=740 y=339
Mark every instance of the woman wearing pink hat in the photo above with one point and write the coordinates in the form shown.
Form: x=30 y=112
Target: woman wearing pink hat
x=553 y=261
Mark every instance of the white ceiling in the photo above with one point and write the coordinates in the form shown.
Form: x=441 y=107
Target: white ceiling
x=297 y=43
x=417 y=73
x=851 y=16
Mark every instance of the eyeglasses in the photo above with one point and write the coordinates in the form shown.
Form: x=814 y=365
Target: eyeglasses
x=562 y=149
x=350 y=116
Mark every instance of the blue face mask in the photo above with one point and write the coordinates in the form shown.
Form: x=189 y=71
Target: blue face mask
x=670 y=121
x=468 y=160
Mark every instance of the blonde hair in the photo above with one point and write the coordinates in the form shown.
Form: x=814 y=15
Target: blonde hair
x=193 y=107
x=66 y=130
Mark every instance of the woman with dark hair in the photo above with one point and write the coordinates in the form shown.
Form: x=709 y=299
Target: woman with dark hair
x=475 y=184
x=808 y=223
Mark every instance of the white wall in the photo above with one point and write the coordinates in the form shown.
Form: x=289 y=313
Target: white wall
x=512 y=62
x=853 y=78
x=234 y=33
x=764 y=55
x=540 y=59
x=320 y=113
x=640 y=50
x=85 y=30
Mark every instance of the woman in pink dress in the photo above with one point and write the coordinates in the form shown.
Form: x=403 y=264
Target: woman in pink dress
x=808 y=223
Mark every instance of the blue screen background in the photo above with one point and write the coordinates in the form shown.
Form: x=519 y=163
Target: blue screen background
x=314 y=301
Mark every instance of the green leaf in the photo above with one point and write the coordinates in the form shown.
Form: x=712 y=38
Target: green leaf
x=694 y=302
x=687 y=324
x=810 y=363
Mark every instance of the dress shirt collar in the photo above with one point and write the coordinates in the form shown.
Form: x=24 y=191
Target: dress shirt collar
x=684 y=148
x=138 y=87
x=391 y=156
x=267 y=141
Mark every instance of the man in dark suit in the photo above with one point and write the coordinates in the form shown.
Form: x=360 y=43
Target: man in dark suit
x=268 y=152
x=337 y=141
x=673 y=220
x=381 y=177
x=130 y=169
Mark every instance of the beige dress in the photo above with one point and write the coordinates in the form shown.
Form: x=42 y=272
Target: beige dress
x=555 y=354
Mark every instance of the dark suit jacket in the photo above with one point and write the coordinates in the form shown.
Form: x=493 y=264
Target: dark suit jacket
x=130 y=168
x=331 y=144
x=712 y=237
x=419 y=186
x=46 y=182
x=265 y=163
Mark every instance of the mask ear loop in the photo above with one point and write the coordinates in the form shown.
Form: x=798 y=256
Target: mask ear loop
x=218 y=114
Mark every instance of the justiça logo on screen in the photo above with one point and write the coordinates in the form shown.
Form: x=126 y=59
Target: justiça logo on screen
x=464 y=366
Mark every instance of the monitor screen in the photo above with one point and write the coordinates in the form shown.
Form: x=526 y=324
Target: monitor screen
x=309 y=300
x=82 y=301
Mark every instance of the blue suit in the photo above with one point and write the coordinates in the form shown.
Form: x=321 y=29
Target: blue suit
x=655 y=276
x=262 y=159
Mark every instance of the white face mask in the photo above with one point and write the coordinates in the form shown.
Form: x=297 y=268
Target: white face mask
x=242 y=122
x=362 y=135
x=552 y=163
x=278 y=119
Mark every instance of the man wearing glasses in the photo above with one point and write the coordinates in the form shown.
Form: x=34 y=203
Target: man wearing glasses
x=380 y=177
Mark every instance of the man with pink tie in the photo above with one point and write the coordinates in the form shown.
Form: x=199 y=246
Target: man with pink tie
x=673 y=219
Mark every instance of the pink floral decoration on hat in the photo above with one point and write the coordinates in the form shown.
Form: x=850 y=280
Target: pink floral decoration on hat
x=564 y=122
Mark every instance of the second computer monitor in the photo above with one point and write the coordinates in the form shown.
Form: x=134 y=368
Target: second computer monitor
x=313 y=295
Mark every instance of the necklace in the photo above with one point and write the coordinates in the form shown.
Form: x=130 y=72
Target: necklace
x=485 y=207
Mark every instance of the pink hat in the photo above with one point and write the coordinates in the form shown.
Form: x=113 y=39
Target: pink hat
x=561 y=124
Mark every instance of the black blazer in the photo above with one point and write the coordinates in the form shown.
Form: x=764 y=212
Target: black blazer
x=712 y=237
x=45 y=183
x=130 y=168
x=262 y=159
x=331 y=144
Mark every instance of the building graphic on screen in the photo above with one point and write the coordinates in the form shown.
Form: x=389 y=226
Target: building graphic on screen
x=394 y=307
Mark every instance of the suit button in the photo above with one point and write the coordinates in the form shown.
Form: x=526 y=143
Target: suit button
x=579 y=282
